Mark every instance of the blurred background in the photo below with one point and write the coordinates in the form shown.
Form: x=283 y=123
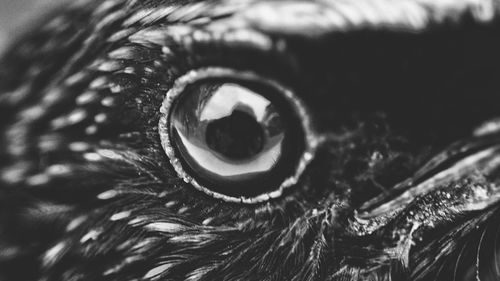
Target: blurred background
x=16 y=15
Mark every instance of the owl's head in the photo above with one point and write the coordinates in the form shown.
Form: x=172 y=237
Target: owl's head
x=252 y=140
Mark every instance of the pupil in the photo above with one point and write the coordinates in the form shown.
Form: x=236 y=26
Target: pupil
x=237 y=136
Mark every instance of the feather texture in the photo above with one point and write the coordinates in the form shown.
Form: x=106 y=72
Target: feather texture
x=400 y=189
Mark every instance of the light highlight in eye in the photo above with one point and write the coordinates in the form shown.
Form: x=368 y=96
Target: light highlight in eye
x=234 y=135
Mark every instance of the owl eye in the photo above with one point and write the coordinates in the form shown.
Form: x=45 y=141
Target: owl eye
x=233 y=135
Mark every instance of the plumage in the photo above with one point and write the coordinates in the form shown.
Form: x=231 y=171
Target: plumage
x=404 y=185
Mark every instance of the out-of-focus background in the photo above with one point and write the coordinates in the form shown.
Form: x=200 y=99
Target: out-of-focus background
x=15 y=15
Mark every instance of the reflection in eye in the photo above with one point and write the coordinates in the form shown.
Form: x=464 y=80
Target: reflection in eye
x=235 y=135
x=229 y=134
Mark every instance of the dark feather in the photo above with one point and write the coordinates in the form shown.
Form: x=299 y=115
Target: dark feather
x=400 y=189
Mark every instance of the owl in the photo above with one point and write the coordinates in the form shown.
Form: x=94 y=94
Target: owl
x=324 y=140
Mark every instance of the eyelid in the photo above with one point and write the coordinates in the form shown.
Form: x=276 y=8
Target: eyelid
x=311 y=140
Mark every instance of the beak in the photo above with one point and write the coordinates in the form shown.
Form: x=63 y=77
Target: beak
x=478 y=156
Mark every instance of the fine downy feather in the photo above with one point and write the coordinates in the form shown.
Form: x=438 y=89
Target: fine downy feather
x=404 y=186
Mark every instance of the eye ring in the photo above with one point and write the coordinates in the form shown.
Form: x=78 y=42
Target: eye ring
x=310 y=138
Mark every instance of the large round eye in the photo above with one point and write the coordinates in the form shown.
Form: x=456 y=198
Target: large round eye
x=234 y=135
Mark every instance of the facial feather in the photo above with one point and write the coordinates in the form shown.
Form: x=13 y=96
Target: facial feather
x=89 y=194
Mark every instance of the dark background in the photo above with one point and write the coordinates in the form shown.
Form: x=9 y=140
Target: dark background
x=16 y=15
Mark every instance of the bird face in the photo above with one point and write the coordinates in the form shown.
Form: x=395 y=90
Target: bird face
x=259 y=140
